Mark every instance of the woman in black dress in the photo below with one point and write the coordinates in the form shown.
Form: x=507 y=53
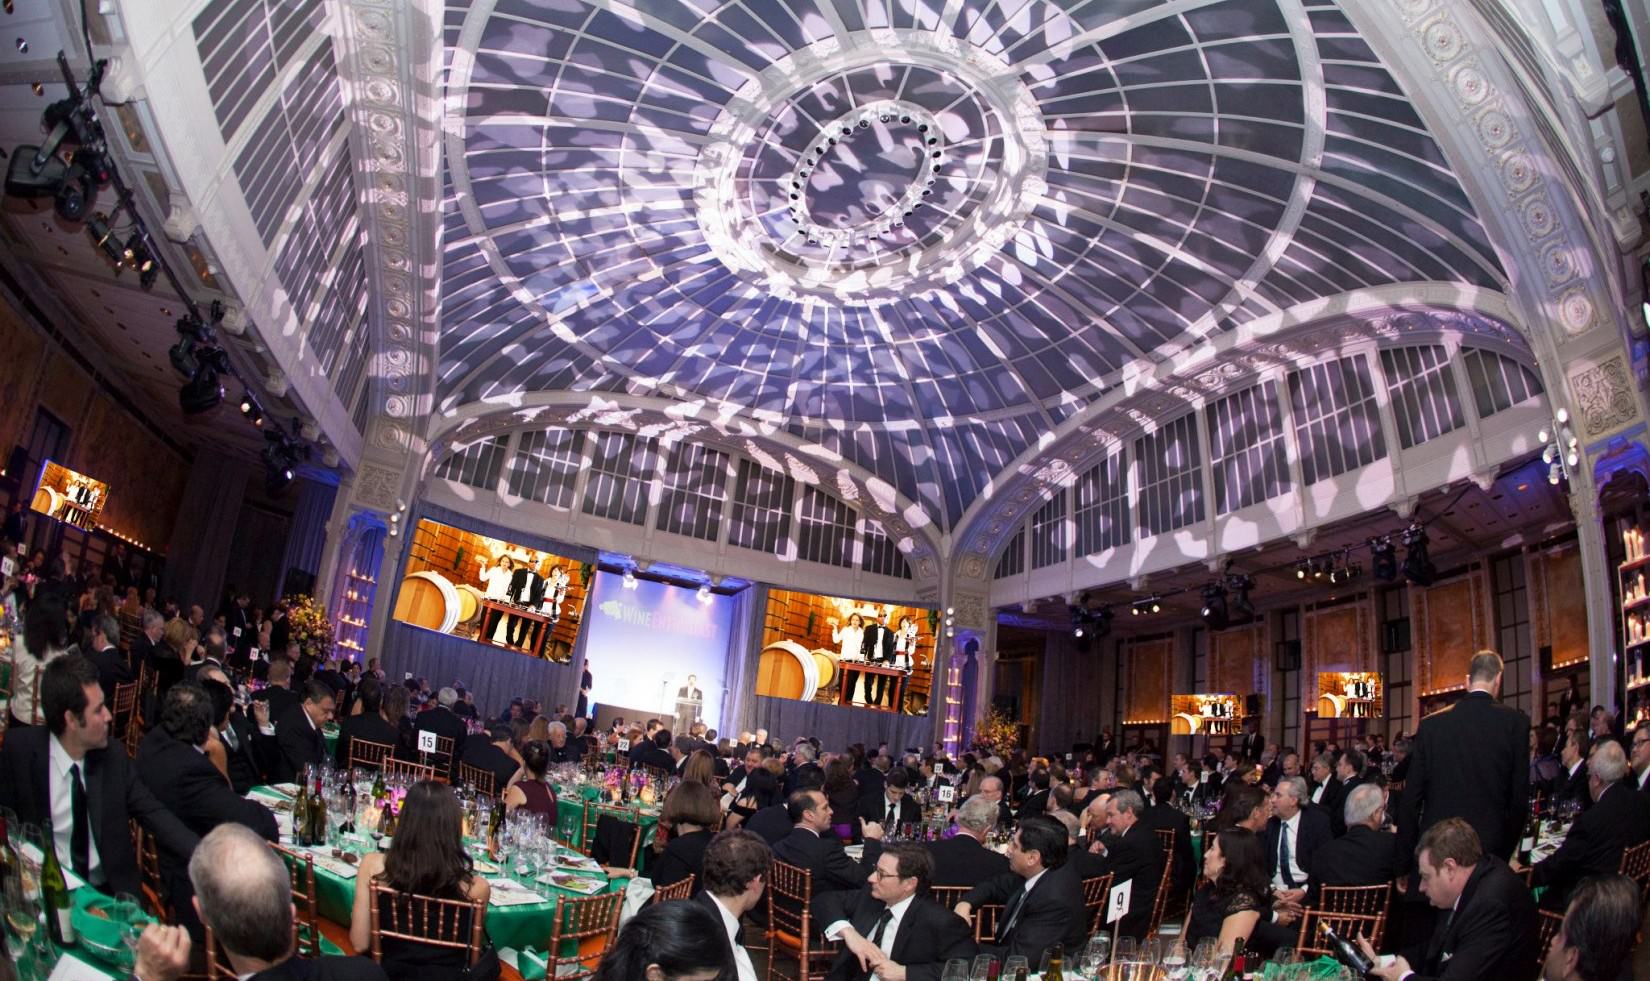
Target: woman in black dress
x=1237 y=892
x=761 y=790
x=693 y=814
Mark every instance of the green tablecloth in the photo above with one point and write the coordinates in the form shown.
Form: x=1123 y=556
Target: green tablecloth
x=570 y=803
x=330 y=734
x=507 y=926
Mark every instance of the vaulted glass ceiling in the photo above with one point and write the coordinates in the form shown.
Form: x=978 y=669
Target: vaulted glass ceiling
x=920 y=234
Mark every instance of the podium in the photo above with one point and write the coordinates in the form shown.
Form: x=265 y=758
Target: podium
x=687 y=712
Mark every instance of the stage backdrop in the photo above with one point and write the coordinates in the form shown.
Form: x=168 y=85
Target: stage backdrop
x=642 y=644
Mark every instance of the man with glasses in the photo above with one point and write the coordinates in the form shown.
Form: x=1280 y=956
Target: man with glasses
x=893 y=931
x=1641 y=758
x=1618 y=820
x=1041 y=896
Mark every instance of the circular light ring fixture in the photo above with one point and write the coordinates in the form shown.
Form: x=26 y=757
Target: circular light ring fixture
x=886 y=275
x=894 y=111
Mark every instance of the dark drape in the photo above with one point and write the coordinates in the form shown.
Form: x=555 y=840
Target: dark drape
x=495 y=675
x=308 y=536
x=258 y=535
x=1067 y=710
x=204 y=533
x=838 y=727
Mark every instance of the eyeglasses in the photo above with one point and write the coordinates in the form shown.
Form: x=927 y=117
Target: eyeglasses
x=880 y=874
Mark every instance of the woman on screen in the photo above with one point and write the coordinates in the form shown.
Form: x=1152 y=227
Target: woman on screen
x=905 y=644
x=495 y=580
x=849 y=639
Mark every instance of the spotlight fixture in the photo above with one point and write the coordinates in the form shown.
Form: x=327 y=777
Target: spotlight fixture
x=281 y=457
x=1302 y=569
x=251 y=409
x=1151 y=604
x=1560 y=448
x=1383 y=559
x=1215 y=614
x=630 y=578
x=1240 y=585
x=100 y=229
x=1418 y=567
x=1079 y=618
x=704 y=593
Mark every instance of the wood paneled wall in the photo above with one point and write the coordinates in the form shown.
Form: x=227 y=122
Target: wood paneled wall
x=1450 y=621
x=1558 y=604
x=1240 y=661
x=1147 y=664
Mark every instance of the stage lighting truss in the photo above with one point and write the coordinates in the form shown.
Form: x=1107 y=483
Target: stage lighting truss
x=1560 y=449
x=1087 y=623
x=1214 y=612
x=1418 y=567
x=1147 y=606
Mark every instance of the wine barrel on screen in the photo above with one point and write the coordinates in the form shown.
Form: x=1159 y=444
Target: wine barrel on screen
x=469 y=603
x=786 y=669
x=1184 y=724
x=1331 y=706
x=825 y=667
x=426 y=599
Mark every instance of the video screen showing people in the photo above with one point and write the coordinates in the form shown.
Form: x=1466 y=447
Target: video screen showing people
x=1349 y=695
x=70 y=497
x=1205 y=715
x=848 y=652
x=493 y=592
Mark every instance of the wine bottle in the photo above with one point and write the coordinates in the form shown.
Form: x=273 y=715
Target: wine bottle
x=378 y=788
x=8 y=854
x=300 y=814
x=1020 y=973
x=495 y=829
x=386 y=827
x=1235 y=967
x=54 y=895
x=1526 y=845
x=1345 y=951
x=318 y=813
x=348 y=825
x=1056 y=963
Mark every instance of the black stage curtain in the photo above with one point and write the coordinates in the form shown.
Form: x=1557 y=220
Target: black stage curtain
x=838 y=727
x=495 y=675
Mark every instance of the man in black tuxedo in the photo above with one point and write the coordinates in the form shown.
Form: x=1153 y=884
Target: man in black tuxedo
x=877 y=647
x=298 y=733
x=1036 y=802
x=894 y=806
x=1132 y=853
x=368 y=724
x=68 y=768
x=1367 y=855
x=1041 y=896
x=893 y=924
x=1105 y=746
x=773 y=823
x=493 y=755
x=1350 y=772
x=240 y=630
x=812 y=846
x=1618 y=820
x=251 y=753
x=1327 y=792
x=172 y=762
x=655 y=751
x=963 y=859
x=526 y=589
x=1253 y=743
x=278 y=693
x=1572 y=780
x=1163 y=815
x=1640 y=759
x=735 y=875
x=1470 y=761
x=243 y=893
x=1487 y=924
x=143 y=645
x=991 y=789
x=441 y=720
x=111 y=665
x=691 y=690
x=1600 y=930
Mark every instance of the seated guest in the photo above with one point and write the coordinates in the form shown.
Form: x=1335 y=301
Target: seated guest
x=1640 y=759
x=171 y=762
x=1132 y=853
x=963 y=859
x=278 y=693
x=1164 y=816
x=426 y=858
x=810 y=845
x=298 y=733
x=40 y=765
x=736 y=873
x=1350 y=771
x=668 y=942
x=1618 y=820
x=561 y=749
x=1294 y=833
x=655 y=752
x=1036 y=800
x=1596 y=940
x=1367 y=855
x=496 y=754
x=700 y=767
x=692 y=815
x=893 y=807
x=1235 y=895
x=893 y=929
x=1244 y=806
x=112 y=667
x=242 y=891
x=1488 y=932
x=1042 y=899
x=1544 y=763
x=531 y=790
x=439 y=719
x=761 y=808
x=1326 y=786
x=368 y=724
x=246 y=751
x=1571 y=782
x=991 y=788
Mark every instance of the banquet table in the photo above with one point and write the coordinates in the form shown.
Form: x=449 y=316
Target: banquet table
x=570 y=802
x=513 y=918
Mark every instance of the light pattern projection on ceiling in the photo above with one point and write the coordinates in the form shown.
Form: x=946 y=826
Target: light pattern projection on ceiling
x=917 y=234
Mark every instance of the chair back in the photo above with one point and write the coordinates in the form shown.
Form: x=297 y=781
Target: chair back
x=125 y=705
x=1095 y=891
x=680 y=889
x=791 y=929
x=1347 y=925
x=1635 y=865
x=948 y=896
x=1165 y=877
x=366 y=753
x=410 y=770
x=580 y=934
x=148 y=860
x=300 y=867
x=1547 y=927
x=985 y=922
x=1365 y=900
x=479 y=779
x=424 y=920
x=594 y=813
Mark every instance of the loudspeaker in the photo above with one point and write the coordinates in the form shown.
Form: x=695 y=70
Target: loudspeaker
x=1395 y=636
x=1251 y=704
x=1289 y=655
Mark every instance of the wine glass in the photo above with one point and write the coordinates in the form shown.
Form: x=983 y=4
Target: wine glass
x=956 y=969
x=1095 y=954
x=1175 y=961
x=1015 y=962
x=22 y=922
x=981 y=971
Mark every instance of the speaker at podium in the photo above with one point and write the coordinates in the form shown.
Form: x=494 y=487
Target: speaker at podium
x=687 y=703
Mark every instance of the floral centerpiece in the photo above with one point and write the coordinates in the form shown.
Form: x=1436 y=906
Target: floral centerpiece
x=311 y=629
x=997 y=733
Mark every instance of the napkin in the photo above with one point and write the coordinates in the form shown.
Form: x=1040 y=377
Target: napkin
x=574 y=883
x=71 y=968
x=508 y=892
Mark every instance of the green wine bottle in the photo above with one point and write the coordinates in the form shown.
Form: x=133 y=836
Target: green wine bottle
x=54 y=895
x=300 y=814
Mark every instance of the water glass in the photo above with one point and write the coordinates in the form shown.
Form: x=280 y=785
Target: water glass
x=1176 y=962
x=1013 y=964
x=981 y=970
x=956 y=969
x=1096 y=955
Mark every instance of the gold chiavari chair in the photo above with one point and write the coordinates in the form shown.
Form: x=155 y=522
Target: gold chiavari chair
x=585 y=927
x=947 y=896
x=455 y=924
x=125 y=706
x=478 y=779
x=594 y=812
x=791 y=928
x=1095 y=891
x=985 y=922
x=368 y=754
x=306 y=925
x=1165 y=875
x=1347 y=925
x=1635 y=865
x=412 y=771
x=680 y=889
x=1363 y=900
x=1547 y=927
x=152 y=887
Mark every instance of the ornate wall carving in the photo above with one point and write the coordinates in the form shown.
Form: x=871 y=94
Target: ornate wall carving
x=1604 y=396
x=1338 y=638
x=1240 y=661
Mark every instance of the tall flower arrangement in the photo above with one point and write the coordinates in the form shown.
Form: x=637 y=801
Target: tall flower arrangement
x=997 y=733
x=310 y=627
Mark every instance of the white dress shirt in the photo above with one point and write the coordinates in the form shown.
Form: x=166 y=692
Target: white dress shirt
x=1291 y=832
x=741 y=957
x=834 y=931
x=63 y=811
x=1317 y=792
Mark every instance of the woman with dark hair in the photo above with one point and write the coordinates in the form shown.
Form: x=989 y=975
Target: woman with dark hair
x=1237 y=893
x=531 y=790
x=842 y=790
x=669 y=942
x=44 y=639
x=692 y=813
x=426 y=858
x=761 y=790
x=700 y=768
x=222 y=701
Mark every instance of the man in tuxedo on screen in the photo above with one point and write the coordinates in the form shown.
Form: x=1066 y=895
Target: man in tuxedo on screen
x=691 y=690
x=877 y=648
x=526 y=589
